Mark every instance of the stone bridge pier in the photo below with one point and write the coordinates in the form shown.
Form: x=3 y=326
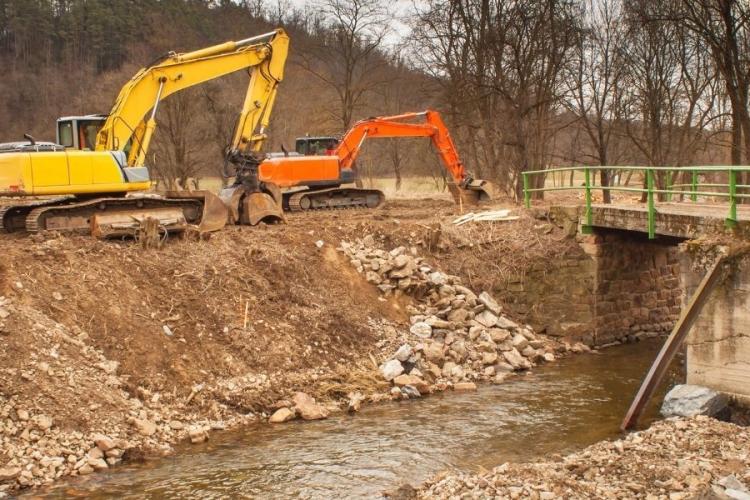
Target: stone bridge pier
x=622 y=285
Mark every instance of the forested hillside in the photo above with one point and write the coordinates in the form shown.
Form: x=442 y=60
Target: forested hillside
x=523 y=85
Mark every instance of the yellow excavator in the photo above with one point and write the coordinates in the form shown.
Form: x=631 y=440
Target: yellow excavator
x=94 y=176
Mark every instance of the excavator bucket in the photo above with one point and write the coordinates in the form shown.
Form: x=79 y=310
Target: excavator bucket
x=252 y=208
x=261 y=207
x=474 y=192
x=214 y=216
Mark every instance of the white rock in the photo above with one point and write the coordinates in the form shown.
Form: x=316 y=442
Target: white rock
x=391 y=369
x=401 y=261
x=307 y=408
x=520 y=342
x=43 y=422
x=689 y=400
x=9 y=473
x=198 y=434
x=144 y=427
x=486 y=318
x=437 y=278
x=490 y=303
x=97 y=464
x=403 y=353
x=281 y=415
x=504 y=322
x=103 y=442
x=421 y=329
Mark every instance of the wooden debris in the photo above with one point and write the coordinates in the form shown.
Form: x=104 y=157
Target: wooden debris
x=494 y=215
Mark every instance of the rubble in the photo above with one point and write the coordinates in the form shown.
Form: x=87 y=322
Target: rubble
x=674 y=459
x=456 y=336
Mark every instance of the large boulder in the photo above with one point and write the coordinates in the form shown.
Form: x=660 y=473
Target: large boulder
x=690 y=400
x=282 y=415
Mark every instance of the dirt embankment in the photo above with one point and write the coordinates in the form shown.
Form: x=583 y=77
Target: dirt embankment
x=107 y=350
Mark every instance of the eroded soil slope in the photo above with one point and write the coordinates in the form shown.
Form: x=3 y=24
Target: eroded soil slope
x=143 y=345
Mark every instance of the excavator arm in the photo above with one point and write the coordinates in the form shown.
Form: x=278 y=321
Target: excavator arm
x=432 y=126
x=128 y=121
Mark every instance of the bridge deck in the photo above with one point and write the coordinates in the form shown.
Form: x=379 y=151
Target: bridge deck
x=681 y=220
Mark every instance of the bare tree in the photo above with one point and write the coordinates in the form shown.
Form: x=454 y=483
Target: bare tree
x=669 y=99
x=179 y=148
x=724 y=25
x=596 y=76
x=348 y=58
x=503 y=61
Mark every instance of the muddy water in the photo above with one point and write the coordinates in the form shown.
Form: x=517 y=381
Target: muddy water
x=559 y=408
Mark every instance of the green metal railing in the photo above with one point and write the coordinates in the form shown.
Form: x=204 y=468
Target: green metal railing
x=658 y=183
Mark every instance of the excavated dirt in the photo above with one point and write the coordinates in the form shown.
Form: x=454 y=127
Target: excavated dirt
x=148 y=346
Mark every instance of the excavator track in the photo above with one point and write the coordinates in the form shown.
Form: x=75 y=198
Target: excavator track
x=332 y=199
x=13 y=217
x=76 y=217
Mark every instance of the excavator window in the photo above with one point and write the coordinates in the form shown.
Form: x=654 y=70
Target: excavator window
x=65 y=134
x=316 y=146
x=87 y=131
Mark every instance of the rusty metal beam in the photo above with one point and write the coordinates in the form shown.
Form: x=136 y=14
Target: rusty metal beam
x=713 y=277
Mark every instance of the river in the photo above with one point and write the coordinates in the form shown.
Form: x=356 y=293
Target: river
x=558 y=408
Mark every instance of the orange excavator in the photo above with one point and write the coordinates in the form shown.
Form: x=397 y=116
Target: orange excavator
x=312 y=176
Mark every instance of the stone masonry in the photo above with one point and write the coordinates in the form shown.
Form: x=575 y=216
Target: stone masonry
x=617 y=285
x=637 y=285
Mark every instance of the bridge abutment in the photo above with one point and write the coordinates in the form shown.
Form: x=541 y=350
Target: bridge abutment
x=637 y=288
x=615 y=285
x=718 y=345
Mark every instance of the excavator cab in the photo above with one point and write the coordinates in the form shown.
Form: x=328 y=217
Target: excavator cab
x=316 y=146
x=79 y=132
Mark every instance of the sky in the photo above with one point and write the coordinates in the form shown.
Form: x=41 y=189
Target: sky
x=401 y=10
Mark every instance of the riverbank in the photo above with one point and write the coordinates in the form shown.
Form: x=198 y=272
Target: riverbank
x=676 y=459
x=560 y=407
x=111 y=353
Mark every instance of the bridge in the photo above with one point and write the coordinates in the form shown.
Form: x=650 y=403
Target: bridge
x=652 y=261
x=705 y=207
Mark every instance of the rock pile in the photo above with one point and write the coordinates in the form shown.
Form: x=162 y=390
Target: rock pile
x=456 y=335
x=302 y=405
x=673 y=459
x=38 y=451
x=38 y=446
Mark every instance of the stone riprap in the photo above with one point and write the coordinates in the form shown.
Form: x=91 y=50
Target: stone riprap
x=456 y=336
